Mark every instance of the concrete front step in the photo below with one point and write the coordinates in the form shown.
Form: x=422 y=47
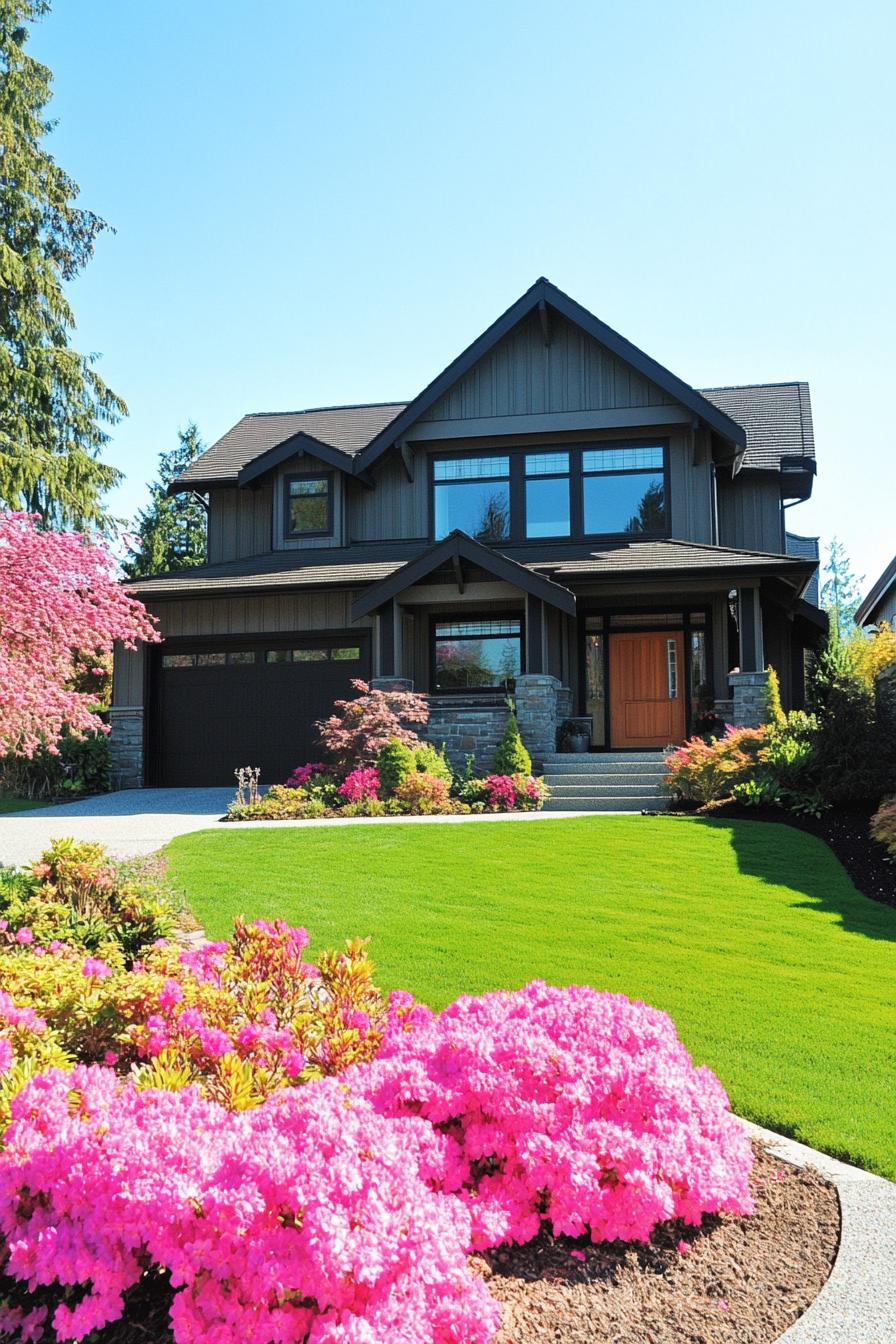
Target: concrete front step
x=607 y=778
x=609 y=803
x=616 y=791
x=597 y=759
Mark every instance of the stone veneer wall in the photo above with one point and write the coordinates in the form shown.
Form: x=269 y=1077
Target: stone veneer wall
x=126 y=748
x=750 y=692
x=470 y=725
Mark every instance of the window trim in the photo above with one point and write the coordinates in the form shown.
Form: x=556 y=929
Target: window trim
x=518 y=478
x=466 y=617
x=329 y=477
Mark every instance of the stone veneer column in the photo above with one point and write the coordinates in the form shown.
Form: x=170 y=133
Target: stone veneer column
x=750 y=695
x=126 y=747
x=536 y=697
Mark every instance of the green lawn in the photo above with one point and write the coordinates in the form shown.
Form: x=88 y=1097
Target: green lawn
x=19 y=804
x=780 y=976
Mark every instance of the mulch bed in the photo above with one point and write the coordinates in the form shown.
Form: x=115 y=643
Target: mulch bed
x=741 y=1281
x=844 y=830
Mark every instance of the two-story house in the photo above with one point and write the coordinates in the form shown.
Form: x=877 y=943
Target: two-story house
x=556 y=514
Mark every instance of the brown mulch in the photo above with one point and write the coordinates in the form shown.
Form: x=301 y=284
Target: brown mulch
x=742 y=1280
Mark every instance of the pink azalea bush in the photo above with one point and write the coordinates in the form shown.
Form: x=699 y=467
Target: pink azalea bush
x=363 y=782
x=505 y=793
x=342 y=1212
x=309 y=1219
x=61 y=611
x=580 y=1108
x=303 y=773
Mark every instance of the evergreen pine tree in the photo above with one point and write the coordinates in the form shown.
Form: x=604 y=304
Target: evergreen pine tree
x=53 y=404
x=172 y=529
x=841 y=592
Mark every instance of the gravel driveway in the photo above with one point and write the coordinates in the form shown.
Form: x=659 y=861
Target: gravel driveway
x=134 y=821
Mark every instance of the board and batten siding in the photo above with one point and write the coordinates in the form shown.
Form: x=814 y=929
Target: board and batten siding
x=750 y=514
x=240 y=523
x=396 y=508
x=253 y=615
x=523 y=376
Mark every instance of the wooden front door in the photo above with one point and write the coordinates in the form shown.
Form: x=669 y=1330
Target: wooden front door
x=646 y=689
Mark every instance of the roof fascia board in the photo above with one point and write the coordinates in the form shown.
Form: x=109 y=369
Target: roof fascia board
x=458 y=546
x=555 y=422
x=544 y=291
x=298 y=443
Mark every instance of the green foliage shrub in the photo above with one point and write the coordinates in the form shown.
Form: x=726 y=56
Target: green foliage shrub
x=511 y=757
x=78 y=894
x=849 y=765
x=429 y=761
x=395 y=762
x=423 y=795
x=282 y=803
x=83 y=766
x=774 y=710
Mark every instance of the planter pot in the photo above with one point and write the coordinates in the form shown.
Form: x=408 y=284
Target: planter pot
x=579 y=745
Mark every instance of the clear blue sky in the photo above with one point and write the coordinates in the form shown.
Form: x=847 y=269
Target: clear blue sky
x=322 y=203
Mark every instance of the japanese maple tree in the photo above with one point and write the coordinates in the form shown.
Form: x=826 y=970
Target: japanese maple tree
x=356 y=733
x=61 y=612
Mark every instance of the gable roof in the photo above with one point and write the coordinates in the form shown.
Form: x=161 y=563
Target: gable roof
x=877 y=593
x=768 y=423
x=777 y=418
x=456 y=547
x=344 y=428
x=545 y=295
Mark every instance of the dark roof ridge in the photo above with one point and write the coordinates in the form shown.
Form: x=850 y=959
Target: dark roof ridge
x=705 y=546
x=313 y=410
x=743 y=387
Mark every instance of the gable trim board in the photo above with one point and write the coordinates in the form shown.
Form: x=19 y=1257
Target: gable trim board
x=457 y=547
x=291 y=447
x=544 y=292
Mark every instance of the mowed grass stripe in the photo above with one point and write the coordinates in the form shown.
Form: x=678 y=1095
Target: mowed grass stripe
x=779 y=974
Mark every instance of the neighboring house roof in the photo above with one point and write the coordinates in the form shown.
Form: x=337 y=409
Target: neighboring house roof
x=879 y=590
x=284 y=570
x=776 y=416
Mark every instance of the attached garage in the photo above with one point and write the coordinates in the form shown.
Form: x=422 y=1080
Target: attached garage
x=220 y=704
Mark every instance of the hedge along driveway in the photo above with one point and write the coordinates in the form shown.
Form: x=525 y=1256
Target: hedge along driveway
x=778 y=973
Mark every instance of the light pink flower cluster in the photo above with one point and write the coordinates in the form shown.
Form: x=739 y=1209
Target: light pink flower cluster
x=364 y=782
x=52 y=584
x=579 y=1107
x=308 y=1219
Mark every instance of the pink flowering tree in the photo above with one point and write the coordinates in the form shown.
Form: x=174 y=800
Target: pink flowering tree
x=359 y=729
x=61 y=611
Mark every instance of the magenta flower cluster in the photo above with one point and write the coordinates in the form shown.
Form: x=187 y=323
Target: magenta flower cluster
x=364 y=782
x=302 y=773
x=342 y=1212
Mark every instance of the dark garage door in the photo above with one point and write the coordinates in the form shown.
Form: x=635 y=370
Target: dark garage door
x=218 y=706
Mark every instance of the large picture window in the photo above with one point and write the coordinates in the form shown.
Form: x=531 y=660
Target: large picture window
x=472 y=494
x=309 y=505
x=476 y=655
x=623 y=490
x=577 y=491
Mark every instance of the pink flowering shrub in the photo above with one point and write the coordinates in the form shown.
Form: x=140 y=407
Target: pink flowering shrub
x=566 y=1105
x=363 y=782
x=505 y=793
x=360 y=728
x=309 y=1219
x=55 y=588
x=303 y=773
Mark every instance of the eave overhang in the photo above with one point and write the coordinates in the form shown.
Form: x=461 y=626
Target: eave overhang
x=456 y=548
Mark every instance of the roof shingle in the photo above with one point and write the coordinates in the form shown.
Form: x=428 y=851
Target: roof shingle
x=776 y=416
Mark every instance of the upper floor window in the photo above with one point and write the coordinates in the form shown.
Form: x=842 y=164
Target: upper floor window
x=308 y=505
x=574 y=492
x=623 y=490
x=472 y=494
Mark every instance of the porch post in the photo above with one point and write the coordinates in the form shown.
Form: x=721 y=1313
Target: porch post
x=387 y=617
x=534 y=634
x=752 y=653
